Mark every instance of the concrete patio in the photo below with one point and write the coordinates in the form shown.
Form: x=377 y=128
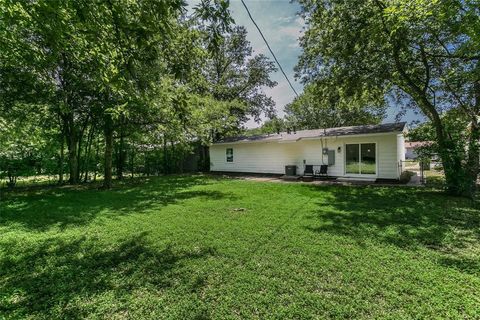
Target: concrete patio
x=414 y=182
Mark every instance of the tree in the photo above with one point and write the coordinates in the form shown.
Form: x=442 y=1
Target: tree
x=25 y=145
x=231 y=70
x=93 y=63
x=458 y=126
x=113 y=74
x=318 y=107
x=269 y=126
x=49 y=59
x=426 y=51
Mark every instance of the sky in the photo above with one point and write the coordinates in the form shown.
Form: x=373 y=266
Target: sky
x=282 y=27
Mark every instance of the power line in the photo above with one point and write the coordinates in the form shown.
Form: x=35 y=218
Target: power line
x=270 y=49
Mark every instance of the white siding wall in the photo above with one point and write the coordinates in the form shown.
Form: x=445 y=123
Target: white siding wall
x=254 y=157
x=386 y=145
x=272 y=157
x=401 y=152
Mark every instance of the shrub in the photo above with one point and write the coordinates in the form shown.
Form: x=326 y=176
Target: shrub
x=406 y=176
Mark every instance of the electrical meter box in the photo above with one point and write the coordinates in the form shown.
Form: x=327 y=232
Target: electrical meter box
x=331 y=157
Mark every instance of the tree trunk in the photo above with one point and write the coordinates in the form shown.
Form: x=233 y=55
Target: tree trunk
x=108 y=132
x=452 y=165
x=205 y=160
x=72 y=156
x=88 y=152
x=165 y=159
x=132 y=162
x=473 y=160
x=173 y=158
x=461 y=173
x=121 y=155
x=79 y=153
x=97 y=148
x=61 y=158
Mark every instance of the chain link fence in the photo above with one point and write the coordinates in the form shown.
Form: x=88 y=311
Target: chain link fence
x=421 y=167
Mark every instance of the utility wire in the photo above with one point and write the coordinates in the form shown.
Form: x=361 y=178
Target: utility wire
x=270 y=49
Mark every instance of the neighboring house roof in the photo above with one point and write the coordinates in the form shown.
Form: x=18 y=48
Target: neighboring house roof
x=319 y=133
x=416 y=144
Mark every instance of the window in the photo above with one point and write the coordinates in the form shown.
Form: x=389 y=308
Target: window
x=229 y=154
x=360 y=158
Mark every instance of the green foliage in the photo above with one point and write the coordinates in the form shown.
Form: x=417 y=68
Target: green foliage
x=233 y=73
x=458 y=126
x=113 y=75
x=179 y=247
x=426 y=52
x=406 y=176
x=27 y=144
x=269 y=126
x=322 y=107
x=215 y=20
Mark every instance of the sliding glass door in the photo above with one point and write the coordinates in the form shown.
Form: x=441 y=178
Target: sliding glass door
x=360 y=158
x=352 y=158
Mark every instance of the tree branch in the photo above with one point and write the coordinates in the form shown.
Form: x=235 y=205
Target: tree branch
x=427 y=69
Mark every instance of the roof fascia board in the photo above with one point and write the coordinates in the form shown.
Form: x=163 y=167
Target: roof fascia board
x=246 y=142
x=279 y=140
x=353 y=135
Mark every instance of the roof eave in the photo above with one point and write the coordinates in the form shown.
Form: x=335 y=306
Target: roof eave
x=279 y=140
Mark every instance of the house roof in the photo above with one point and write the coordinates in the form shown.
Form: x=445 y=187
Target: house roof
x=319 y=133
x=416 y=144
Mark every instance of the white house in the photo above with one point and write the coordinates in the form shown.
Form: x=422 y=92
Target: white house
x=359 y=152
x=411 y=148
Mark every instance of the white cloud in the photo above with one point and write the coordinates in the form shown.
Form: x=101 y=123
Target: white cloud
x=300 y=21
x=292 y=31
x=286 y=19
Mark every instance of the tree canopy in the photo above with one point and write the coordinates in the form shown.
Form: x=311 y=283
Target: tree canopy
x=111 y=77
x=426 y=52
x=320 y=107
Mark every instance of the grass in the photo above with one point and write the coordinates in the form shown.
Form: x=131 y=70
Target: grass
x=366 y=168
x=39 y=180
x=199 y=247
x=434 y=178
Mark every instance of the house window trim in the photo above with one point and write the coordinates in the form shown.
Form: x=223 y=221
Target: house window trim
x=345 y=174
x=226 y=156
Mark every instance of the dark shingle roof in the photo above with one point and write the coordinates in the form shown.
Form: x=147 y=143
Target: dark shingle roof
x=317 y=133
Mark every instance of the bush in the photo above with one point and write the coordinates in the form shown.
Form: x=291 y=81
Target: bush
x=406 y=176
x=438 y=167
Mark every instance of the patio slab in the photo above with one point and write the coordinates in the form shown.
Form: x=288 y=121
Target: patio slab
x=297 y=179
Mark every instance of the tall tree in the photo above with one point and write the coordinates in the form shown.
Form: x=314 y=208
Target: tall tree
x=86 y=60
x=108 y=71
x=427 y=51
x=133 y=35
x=47 y=59
x=318 y=107
x=28 y=144
x=232 y=72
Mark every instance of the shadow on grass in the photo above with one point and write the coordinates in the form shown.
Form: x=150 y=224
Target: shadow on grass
x=64 y=207
x=67 y=279
x=404 y=217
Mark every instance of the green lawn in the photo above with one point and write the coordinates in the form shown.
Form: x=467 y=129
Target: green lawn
x=365 y=167
x=197 y=247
